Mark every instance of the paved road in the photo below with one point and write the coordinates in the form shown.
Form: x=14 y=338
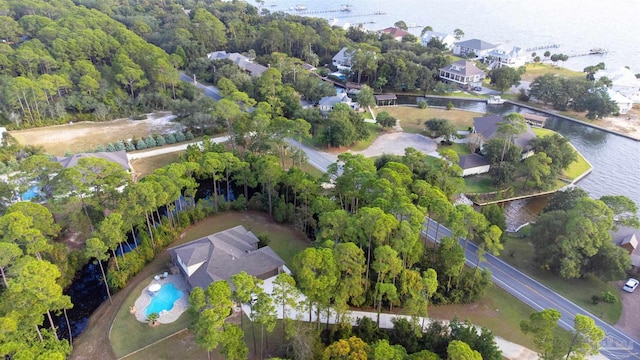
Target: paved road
x=210 y=91
x=616 y=345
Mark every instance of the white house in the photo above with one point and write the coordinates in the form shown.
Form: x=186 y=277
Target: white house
x=342 y=60
x=623 y=81
x=328 y=102
x=444 y=38
x=473 y=164
x=462 y=72
x=624 y=104
x=504 y=55
x=476 y=46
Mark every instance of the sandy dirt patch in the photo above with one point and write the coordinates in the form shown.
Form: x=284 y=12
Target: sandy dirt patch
x=396 y=142
x=78 y=137
x=628 y=124
x=630 y=320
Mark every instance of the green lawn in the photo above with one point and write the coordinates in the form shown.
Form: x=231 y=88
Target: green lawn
x=577 y=168
x=460 y=149
x=129 y=334
x=519 y=253
x=412 y=118
x=535 y=70
x=478 y=184
x=374 y=130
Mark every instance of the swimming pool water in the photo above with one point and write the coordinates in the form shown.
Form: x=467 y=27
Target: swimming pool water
x=164 y=299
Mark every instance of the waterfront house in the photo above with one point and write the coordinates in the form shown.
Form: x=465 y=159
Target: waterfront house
x=327 y=103
x=506 y=56
x=487 y=127
x=624 y=104
x=342 y=60
x=242 y=61
x=476 y=47
x=221 y=255
x=444 y=38
x=623 y=81
x=465 y=73
x=396 y=33
x=473 y=164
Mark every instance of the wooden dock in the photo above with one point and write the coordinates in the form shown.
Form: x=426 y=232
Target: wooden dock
x=543 y=47
x=345 y=14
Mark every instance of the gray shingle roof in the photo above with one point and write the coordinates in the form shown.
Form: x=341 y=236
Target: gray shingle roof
x=242 y=61
x=118 y=157
x=487 y=126
x=472 y=160
x=225 y=254
x=332 y=100
x=476 y=44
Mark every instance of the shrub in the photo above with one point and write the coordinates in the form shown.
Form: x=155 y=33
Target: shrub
x=422 y=104
x=595 y=299
x=264 y=240
x=523 y=96
x=129 y=146
x=170 y=139
x=160 y=141
x=141 y=145
x=450 y=105
x=608 y=297
x=150 y=141
x=99 y=148
x=110 y=148
x=189 y=136
x=119 y=146
x=180 y=136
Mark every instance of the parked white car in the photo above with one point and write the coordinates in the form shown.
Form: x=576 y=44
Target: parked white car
x=630 y=285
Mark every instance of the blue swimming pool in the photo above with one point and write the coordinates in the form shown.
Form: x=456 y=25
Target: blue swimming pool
x=163 y=300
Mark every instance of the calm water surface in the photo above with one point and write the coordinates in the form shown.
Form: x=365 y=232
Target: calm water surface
x=576 y=25
x=615 y=159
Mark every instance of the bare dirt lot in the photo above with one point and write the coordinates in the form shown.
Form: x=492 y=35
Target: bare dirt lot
x=628 y=124
x=396 y=142
x=630 y=319
x=78 y=137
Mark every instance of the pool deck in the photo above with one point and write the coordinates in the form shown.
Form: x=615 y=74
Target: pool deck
x=166 y=317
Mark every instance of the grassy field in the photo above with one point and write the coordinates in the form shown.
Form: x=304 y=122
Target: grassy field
x=374 y=130
x=478 y=184
x=577 y=290
x=412 y=118
x=535 y=70
x=83 y=136
x=577 y=168
x=146 y=166
x=460 y=149
x=498 y=311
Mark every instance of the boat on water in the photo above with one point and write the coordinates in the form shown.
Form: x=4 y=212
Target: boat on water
x=597 y=51
x=345 y=7
x=300 y=8
x=495 y=100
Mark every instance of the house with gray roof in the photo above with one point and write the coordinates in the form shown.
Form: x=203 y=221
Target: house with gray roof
x=118 y=157
x=473 y=164
x=476 y=46
x=465 y=73
x=506 y=56
x=342 y=59
x=444 y=38
x=242 y=61
x=221 y=255
x=487 y=127
x=328 y=102
x=628 y=238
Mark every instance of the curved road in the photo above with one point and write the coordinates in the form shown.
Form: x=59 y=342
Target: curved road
x=616 y=345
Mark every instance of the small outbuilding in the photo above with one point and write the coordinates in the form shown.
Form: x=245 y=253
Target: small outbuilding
x=385 y=99
x=534 y=120
x=474 y=164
